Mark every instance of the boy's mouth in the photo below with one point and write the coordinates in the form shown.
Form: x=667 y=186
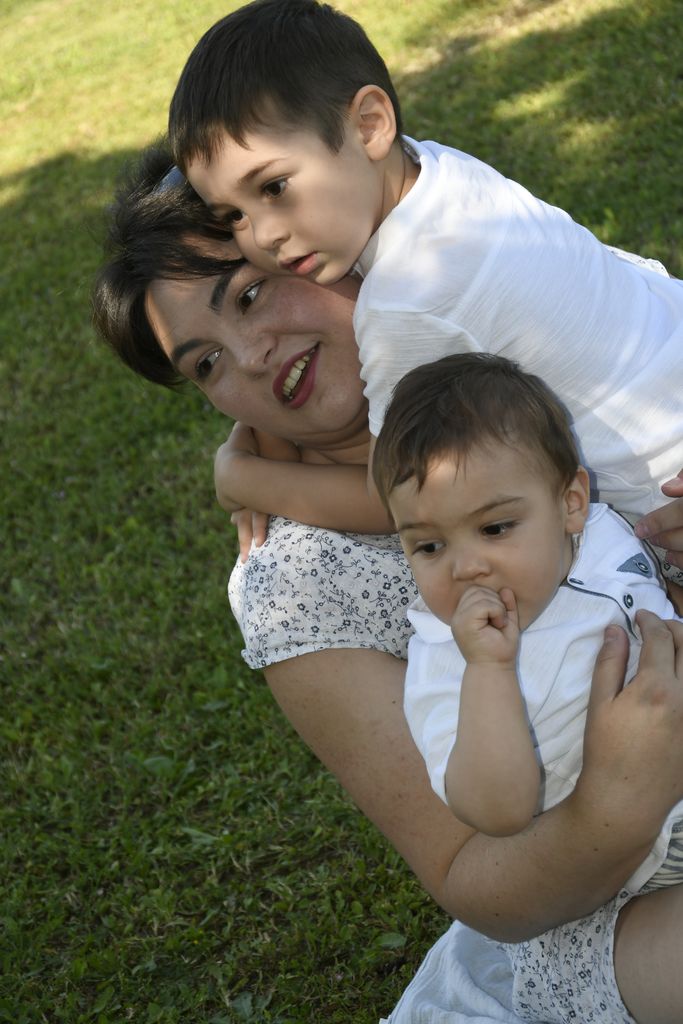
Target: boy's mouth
x=301 y=266
x=288 y=381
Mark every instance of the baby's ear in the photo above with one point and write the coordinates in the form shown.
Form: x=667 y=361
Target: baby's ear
x=576 y=500
x=372 y=114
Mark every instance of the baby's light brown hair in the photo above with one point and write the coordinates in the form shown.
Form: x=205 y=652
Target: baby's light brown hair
x=447 y=408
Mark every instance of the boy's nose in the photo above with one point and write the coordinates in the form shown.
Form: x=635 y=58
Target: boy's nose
x=269 y=233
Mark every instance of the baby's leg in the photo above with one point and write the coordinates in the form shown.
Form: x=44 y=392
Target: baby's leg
x=648 y=956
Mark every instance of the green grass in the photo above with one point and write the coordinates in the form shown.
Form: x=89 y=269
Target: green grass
x=171 y=852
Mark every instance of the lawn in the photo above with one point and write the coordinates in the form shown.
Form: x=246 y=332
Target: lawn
x=171 y=852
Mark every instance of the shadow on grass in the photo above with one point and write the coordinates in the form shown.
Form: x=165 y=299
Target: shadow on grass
x=589 y=117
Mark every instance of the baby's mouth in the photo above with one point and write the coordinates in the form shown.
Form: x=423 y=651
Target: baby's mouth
x=295 y=375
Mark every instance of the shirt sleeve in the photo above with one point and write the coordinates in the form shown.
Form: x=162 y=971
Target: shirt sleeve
x=309 y=589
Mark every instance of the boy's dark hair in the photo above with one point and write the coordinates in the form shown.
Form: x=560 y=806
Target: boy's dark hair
x=299 y=61
x=449 y=407
x=155 y=225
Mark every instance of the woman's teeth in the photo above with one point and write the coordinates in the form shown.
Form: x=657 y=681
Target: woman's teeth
x=294 y=376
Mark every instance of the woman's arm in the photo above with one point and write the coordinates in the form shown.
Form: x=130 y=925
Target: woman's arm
x=347 y=706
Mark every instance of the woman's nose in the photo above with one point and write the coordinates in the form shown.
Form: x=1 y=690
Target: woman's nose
x=253 y=349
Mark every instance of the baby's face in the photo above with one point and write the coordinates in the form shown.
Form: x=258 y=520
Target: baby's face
x=493 y=520
x=294 y=205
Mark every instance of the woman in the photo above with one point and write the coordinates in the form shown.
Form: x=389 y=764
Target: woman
x=331 y=652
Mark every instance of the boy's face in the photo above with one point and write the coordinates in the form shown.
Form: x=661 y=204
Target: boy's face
x=294 y=205
x=493 y=520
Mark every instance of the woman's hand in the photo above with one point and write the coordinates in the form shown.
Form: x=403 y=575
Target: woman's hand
x=577 y=855
x=664 y=526
x=633 y=733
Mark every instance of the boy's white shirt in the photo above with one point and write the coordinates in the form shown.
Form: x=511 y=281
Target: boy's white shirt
x=471 y=261
x=611 y=578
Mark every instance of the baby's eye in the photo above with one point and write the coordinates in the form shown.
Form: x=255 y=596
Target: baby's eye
x=429 y=547
x=248 y=296
x=206 y=364
x=274 y=189
x=497 y=529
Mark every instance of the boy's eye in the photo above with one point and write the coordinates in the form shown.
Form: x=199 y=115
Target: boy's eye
x=274 y=189
x=248 y=296
x=233 y=217
x=206 y=364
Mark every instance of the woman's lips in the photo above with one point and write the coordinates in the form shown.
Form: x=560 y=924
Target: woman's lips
x=294 y=382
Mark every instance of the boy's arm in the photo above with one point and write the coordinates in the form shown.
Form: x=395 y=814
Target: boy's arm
x=492 y=777
x=330 y=496
x=251 y=526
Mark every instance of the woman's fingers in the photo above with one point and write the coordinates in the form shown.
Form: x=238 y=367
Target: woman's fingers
x=664 y=526
x=610 y=668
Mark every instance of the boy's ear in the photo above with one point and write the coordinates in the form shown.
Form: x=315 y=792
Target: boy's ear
x=372 y=114
x=576 y=500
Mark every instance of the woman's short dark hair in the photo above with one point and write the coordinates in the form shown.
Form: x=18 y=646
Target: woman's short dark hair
x=297 y=60
x=448 y=407
x=156 y=225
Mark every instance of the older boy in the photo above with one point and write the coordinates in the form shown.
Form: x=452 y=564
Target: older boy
x=287 y=124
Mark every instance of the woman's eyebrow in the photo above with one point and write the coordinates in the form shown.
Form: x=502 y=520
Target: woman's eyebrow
x=218 y=293
x=181 y=350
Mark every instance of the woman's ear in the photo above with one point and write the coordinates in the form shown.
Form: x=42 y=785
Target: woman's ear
x=372 y=114
x=576 y=500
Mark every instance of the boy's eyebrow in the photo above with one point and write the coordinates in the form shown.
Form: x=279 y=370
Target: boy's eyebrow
x=255 y=171
x=219 y=208
x=501 y=499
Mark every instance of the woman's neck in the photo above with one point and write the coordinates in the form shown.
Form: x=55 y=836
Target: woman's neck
x=349 y=453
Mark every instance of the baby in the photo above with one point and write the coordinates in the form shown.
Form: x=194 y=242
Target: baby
x=519 y=575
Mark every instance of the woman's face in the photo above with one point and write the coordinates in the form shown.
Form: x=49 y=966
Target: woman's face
x=275 y=352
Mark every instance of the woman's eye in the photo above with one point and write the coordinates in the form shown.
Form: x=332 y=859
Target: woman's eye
x=233 y=218
x=246 y=297
x=206 y=364
x=274 y=189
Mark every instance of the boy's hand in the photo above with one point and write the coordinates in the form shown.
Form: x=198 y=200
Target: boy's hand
x=664 y=527
x=486 y=626
x=251 y=526
x=240 y=444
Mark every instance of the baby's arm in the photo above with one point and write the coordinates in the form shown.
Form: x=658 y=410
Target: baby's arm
x=276 y=481
x=492 y=777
